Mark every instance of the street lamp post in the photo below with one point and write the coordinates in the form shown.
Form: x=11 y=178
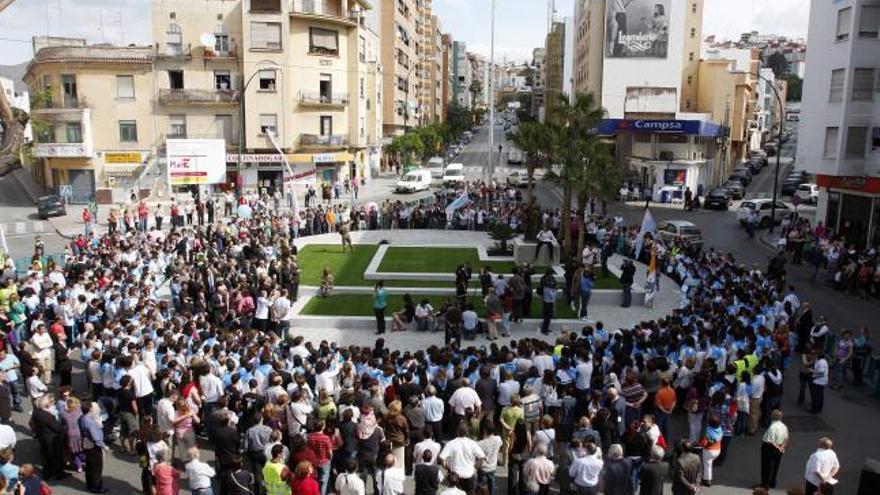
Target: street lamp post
x=491 y=102
x=778 y=151
x=241 y=134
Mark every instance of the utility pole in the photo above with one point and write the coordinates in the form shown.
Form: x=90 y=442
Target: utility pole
x=491 y=102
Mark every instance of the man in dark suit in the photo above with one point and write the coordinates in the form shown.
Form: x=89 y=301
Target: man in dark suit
x=804 y=325
x=226 y=449
x=50 y=435
x=93 y=446
x=653 y=473
x=686 y=470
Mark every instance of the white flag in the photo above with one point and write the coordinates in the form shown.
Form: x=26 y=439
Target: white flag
x=649 y=226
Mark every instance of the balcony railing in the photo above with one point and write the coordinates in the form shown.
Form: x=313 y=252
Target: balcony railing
x=62 y=150
x=323 y=8
x=211 y=53
x=173 y=52
x=197 y=97
x=324 y=100
x=62 y=103
x=323 y=141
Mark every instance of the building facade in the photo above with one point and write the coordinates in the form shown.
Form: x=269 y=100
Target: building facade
x=839 y=136
x=462 y=74
x=400 y=61
x=589 y=21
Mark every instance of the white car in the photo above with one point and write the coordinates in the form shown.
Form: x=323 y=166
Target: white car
x=807 y=193
x=454 y=174
x=414 y=181
x=764 y=208
x=436 y=165
x=518 y=179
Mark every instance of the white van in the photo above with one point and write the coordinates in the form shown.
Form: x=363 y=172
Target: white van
x=414 y=180
x=514 y=156
x=454 y=174
x=436 y=166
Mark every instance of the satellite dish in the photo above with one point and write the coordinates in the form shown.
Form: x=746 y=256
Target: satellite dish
x=207 y=40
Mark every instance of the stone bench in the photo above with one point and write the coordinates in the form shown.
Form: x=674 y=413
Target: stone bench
x=524 y=252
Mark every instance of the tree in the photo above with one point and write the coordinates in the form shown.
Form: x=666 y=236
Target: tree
x=14 y=122
x=535 y=140
x=778 y=63
x=795 y=87
x=408 y=147
x=474 y=89
x=458 y=120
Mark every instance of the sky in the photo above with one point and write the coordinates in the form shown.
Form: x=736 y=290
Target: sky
x=520 y=24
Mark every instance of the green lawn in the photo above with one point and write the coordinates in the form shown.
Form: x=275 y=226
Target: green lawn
x=437 y=260
x=362 y=305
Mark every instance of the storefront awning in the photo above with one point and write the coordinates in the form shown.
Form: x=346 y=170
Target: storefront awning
x=292 y=158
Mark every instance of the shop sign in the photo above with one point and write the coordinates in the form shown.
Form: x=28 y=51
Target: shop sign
x=255 y=157
x=123 y=158
x=324 y=158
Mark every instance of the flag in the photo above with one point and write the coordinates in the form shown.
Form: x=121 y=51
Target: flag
x=3 y=245
x=649 y=226
x=295 y=202
x=462 y=200
x=651 y=282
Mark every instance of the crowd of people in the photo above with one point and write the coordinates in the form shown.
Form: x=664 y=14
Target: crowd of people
x=212 y=364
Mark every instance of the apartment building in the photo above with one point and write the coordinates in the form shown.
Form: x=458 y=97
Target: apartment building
x=447 y=73
x=539 y=57
x=97 y=104
x=462 y=74
x=433 y=102
x=400 y=61
x=554 y=68
x=589 y=21
x=839 y=136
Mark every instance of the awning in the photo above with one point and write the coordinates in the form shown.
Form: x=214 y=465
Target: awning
x=700 y=128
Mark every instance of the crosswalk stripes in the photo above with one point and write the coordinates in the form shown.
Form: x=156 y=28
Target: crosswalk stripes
x=24 y=228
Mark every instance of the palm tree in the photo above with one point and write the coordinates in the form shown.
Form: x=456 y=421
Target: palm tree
x=535 y=141
x=581 y=154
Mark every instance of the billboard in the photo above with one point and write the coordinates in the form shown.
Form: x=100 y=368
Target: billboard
x=196 y=161
x=637 y=28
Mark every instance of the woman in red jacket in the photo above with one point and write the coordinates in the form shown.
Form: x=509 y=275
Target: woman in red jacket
x=303 y=482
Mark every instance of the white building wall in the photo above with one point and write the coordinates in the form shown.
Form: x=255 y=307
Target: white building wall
x=824 y=54
x=621 y=73
x=568 y=58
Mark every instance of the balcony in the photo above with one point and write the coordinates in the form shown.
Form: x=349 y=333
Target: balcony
x=67 y=111
x=325 y=10
x=184 y=97
x=172 y=51
x=62 y=150
x=322 y=100
x=214 y=55
x=317 y=142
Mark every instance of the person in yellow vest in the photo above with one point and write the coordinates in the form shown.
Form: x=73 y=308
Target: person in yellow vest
x=276 y=475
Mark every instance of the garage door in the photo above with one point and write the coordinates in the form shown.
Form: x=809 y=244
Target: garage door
x=82 y=184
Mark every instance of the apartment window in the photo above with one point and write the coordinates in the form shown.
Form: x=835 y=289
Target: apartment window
x=266 y=35
x=835 y=93
x=268 y=123
x=128 y=131
x=875 y=139
x=856 y=141
x=326 y=125
x=831 y=142
x=223 y=125
x=693 y=32
x=691 y=56
x=690 y=79
x=325 y=88
x=869 y=21
x=175 y=79
x=323 y=41
x=125 y=87
x=222 y=79
x=68 y=87
x=844 y=19
x=47 y=83
x=694 y=8
x=362 y=49
x=863 y=84
x=265 y=5
x=174 y=40
x=74 y=132
x=361 y=88
x=267 y=80
x=221 y=40
x=363 y=121
x=177 y=126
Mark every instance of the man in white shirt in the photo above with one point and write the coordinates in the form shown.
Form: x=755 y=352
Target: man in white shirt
x=819 y=382
x=198 y=473
x=545 y=238
x=585 y=470
x=756 y=395
x=490 y=444
x=281 y=310
x=461 y=456
x=465 y=398
x=42 y=343
x=822 y=467
x=426 y=445
x=389 y=478
x=142 y=380
x=507 y=388
x=212 y=389
x=349 y=483
x=166 y=414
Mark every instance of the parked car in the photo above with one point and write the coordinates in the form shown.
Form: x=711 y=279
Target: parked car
x=807 y=193
x=770 y=149
x=453 y=174
x=755 y=165
x=743 y=179
x=673 y=229
x=50 y=206
x=436 y=165
x=744 y=169
x=735 y=189
x=413 y=181
x=718 y=199
x=765 y=209
x=791 y=183
x=518 y=179
x=514 y=156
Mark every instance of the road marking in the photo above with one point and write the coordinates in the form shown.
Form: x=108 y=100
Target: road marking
x=20 y=227
x=39 y=227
